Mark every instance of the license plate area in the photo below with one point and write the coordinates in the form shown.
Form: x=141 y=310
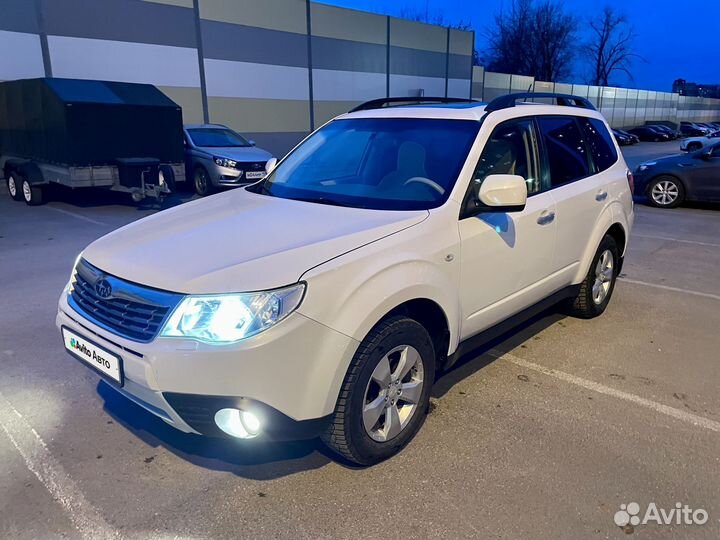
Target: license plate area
x=255 y=175
x=106 y=363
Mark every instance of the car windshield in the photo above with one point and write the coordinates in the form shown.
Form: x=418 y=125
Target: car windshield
x=378 y=163
x=218 y=137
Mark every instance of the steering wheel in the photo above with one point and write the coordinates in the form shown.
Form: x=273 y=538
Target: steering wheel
x=427 y=182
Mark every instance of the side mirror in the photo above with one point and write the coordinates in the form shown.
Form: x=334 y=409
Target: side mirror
x=503 y=192
x=251 y=142
x=270 y=165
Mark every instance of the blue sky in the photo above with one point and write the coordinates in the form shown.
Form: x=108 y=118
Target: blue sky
x=676 y=38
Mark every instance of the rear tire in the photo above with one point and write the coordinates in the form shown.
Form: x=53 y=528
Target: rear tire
x=599 y=283
x=169 y=177
x=381 y=407
x=14 y=187
x=665 y=191
x=33 y=195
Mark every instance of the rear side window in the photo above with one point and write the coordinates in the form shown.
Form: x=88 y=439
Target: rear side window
x=599 y=142
x=565 y=148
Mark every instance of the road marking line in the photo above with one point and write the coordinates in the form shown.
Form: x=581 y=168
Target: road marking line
x=670 y=239
x=38 y=459
x=678 y=414
x=668 y=288
x=79 y=216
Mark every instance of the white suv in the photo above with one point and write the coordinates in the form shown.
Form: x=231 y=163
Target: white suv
x=324 y=299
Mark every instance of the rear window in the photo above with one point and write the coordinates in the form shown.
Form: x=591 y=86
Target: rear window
x=565 y=148
x=599 y=143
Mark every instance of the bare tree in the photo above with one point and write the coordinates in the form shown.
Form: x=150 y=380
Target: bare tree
x=532 y=38
x=611 y=46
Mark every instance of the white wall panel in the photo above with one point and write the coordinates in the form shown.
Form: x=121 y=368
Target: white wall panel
x=407 y=85
x=227 y=78
x=336 y=85
x=108 y=60
x=20 y=56
x=458 y=88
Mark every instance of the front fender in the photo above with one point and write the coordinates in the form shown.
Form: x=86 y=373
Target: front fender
x=352 y=293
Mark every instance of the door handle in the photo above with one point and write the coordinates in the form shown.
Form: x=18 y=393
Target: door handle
x=545 y=217
x=601 y=195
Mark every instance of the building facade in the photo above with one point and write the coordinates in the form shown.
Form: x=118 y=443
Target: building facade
x=271 y=69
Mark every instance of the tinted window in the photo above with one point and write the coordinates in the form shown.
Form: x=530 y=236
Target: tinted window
x=565 y=149
x=217 y=137
x=380 y=163
x=511 y=149
x=599 y=142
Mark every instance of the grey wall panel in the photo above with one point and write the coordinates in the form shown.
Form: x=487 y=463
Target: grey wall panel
x=405 y=61
x=18 y=16
x=330 y=53
x=459 y=66
x=120 y=20
x=227 y=41
x=348 y=24
x=278 y=143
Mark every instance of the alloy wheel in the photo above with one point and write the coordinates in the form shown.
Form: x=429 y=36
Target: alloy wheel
x=603 y=277
x=393 y=393
x=665 y=192
x=201 y=182
x=27 y=191
x=12 y=186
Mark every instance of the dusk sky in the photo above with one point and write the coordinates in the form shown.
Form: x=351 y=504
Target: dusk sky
x=676 y=39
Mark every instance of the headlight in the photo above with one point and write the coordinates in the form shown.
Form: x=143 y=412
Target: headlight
x=226 y=318
x=225 y=162
x=646 y=166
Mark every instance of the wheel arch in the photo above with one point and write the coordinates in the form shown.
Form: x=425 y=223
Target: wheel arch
x=612 y=222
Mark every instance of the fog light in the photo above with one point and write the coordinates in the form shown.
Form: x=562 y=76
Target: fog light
x=237 y=423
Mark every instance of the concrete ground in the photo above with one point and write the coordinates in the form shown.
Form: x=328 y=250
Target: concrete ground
x=543 y=435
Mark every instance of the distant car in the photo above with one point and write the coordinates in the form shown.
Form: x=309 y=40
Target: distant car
x=634 y=138
x=664 y=129
x=216 y=156
x=667 y=182
x=689 y=129
x=622 y=139
x=646 y=133
x=693 y=144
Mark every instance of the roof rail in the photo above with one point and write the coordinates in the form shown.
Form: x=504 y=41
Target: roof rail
x=567 y=100
x=384 y=102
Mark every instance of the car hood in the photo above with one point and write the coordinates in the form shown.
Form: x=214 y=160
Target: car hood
x=239 y=241
x=238 y=153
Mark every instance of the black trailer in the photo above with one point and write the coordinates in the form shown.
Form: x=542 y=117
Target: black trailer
x=82 y=133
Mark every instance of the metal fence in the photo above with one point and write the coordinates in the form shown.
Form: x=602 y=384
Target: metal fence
x=623 y=107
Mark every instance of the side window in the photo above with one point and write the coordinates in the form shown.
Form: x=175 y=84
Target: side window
x=599 y=143
x=511 y=149
x=565 y=147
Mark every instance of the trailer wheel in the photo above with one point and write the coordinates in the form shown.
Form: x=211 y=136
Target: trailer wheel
x=33 y=195
x=14 y=187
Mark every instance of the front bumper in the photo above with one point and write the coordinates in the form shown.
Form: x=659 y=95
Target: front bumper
x=226 y=176
x=289 y=376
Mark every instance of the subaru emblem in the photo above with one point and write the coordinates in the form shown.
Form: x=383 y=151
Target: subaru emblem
x=103 y=288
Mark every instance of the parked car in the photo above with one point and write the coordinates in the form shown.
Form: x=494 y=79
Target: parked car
x=688 y=129
x=623 y=140
x=323 y=299
x=668 y=182
x=117 y=136
x=646 y=133
x=216 y=156
x=633 y=138
x=696 y=143
x=664 y=129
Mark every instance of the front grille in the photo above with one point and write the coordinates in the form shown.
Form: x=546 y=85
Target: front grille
x=251 y=166
x=130 y=310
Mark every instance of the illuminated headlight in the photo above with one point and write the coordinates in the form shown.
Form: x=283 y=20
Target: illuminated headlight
x=225 y=162
x=646 y=166
x=226 y=318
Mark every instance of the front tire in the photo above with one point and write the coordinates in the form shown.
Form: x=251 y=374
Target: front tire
x=202 y=182
x=666 y=192
x=599 y=283
x=386 y=393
